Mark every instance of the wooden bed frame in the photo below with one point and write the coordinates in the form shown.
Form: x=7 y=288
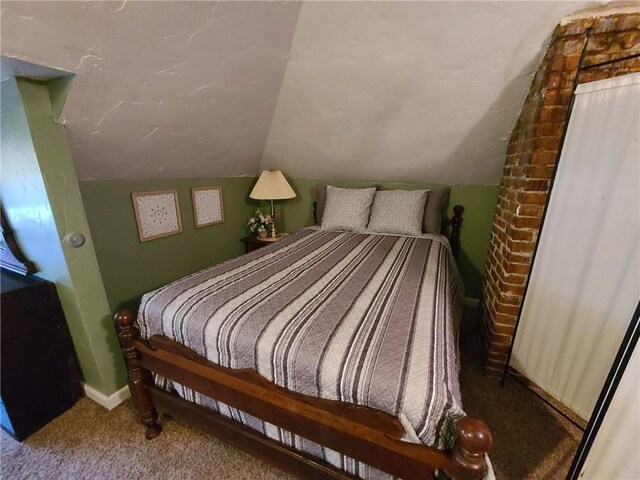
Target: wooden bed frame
x=363 y=433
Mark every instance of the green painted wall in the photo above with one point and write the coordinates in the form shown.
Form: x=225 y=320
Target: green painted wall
x=479 y=202
x=131 y=268
x=41 y=198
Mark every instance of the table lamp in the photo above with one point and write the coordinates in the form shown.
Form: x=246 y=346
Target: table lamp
x=272 y=186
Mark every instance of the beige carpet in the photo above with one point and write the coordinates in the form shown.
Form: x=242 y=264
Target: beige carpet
x=87 y=442
x=530 y=440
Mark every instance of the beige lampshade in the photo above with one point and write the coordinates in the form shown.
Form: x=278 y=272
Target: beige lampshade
x=272 y=186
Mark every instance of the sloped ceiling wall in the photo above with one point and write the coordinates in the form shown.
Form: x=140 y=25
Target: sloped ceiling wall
x=409 y=91
x=395 y=91
x=163 y=89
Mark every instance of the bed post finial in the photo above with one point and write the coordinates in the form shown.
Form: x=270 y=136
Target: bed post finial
x=473 y=441
x=138 y=376
x=456 y=226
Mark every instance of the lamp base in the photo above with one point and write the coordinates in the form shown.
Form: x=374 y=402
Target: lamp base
x=269 y=238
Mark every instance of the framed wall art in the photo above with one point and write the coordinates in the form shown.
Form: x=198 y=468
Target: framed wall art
x=208 y=208
x=157 y=214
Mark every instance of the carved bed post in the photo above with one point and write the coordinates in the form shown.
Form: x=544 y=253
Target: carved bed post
x=456 y=225
x=473 y=440
x=138 y=376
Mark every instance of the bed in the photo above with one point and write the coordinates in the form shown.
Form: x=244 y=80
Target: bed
x=328 y=354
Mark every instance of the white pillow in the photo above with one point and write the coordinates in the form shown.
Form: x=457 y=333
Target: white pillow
x=347 y=209
x=398 y=211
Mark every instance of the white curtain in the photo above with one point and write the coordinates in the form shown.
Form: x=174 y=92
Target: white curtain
x=585 y=281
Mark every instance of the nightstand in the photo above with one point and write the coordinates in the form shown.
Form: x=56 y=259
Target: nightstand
x=252 y=243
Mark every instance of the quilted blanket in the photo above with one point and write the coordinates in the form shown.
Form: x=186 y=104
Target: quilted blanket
x=366 y=319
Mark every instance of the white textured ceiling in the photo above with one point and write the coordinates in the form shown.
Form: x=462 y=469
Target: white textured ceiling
x=163 y=89
x=406 y=91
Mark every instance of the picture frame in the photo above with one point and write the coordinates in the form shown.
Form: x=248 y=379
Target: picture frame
x=208 y=206
x=157 y=214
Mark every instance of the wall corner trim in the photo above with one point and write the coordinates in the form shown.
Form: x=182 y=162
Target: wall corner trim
x=109 y=402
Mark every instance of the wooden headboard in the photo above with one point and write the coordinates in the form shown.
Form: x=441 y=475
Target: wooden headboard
x=450 y=227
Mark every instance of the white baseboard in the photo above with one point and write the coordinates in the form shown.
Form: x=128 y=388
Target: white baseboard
x=471 y=302
x=110 y=402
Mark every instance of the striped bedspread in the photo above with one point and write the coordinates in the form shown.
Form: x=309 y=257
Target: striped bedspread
x=366 y=319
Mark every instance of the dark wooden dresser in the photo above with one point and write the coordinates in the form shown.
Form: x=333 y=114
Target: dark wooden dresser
x=40 y=377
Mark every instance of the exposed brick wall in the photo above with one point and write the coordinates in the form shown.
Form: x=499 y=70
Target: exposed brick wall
x=531 y=158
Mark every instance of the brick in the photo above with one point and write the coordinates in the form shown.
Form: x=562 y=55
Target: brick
x=495 y=293
x=565 y=96
x=549 y=129
x=603 y=24
x=493 y=259
x=594 y=58
x=525 y=156
x=515 y=257
x=520 y=268
x=507 y=309
x=572 y=46
x=519 y=247
x=504 y=319
x=567 y=81
x=556 y=64
x=617 y=44
x=527 y=222
x=553 y=113
x=499 y=347
x=501 y=339
x=554 y=80
x=509 y=170
x=530 y=211
x=499 y=357
x=551 y=97
x=538 y=171
x=536 y=185
x=504 y=329
x=591 y=76
x=493 y=275
x=508 y=181
x=578 y=27
x=514 y=279
x=628 y=22
x=512 y=289
x=510 y=299
x=549 y=144
x=571 y=63
x=532 y=198
x=543 y=158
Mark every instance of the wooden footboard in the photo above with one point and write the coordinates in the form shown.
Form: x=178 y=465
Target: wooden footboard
x=365 y=434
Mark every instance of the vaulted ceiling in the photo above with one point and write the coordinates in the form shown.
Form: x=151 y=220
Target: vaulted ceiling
x=400 y=91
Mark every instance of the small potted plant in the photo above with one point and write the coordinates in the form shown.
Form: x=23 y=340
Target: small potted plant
x=259 y=224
